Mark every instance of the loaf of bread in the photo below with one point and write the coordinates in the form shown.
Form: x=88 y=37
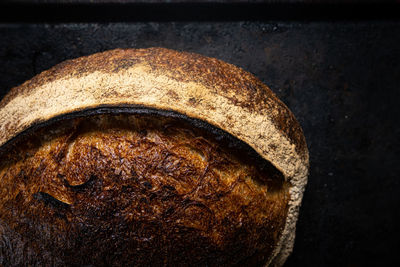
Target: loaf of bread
x=148 y=157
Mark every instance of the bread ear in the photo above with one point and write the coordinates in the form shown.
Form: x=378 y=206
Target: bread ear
x=199 y=87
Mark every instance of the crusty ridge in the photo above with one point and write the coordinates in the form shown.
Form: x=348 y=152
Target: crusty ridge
x=239 y=86
x=197 y=86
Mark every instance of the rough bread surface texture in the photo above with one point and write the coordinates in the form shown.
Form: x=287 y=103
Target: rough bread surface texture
x=198 y=87
x=136 y=190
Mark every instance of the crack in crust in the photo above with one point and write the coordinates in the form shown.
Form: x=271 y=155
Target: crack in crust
x=136 y=189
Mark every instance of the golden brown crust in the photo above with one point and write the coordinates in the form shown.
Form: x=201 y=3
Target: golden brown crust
x=196 y=86
x=239 y=86
x=142 y=185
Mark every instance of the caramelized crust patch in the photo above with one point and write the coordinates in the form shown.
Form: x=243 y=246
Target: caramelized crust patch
x=136 y=189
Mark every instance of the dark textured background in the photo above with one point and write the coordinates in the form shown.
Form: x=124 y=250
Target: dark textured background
x=340 y=78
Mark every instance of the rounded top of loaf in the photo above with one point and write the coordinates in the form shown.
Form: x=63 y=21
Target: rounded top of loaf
x=196 y=86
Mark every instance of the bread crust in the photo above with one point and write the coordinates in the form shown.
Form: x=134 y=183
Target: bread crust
x=144 y=185
x=199 y=87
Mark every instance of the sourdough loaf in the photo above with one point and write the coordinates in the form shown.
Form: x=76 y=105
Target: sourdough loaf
x=148 y=157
